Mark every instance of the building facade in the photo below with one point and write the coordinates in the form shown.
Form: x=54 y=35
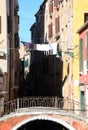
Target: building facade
x=13 y=59
x=59 y=29
x=3 y=36
x=62 y=19
x=51 y=22
x=9 y=44
x=80 y=16
x=83 y=65
x=37 y=29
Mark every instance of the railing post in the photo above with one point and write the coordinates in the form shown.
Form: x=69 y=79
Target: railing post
x=17 y=103
x=56 y=102
x=73 y=106
x=67 y=104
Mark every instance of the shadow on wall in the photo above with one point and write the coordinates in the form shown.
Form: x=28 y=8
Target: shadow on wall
x=44 y=77
x=1 y=73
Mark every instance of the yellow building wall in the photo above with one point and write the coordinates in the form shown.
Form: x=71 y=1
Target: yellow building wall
x=66 y=45
x=79 y=8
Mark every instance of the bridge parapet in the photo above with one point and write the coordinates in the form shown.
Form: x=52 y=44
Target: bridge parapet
x=22 y=116
x=67 y=105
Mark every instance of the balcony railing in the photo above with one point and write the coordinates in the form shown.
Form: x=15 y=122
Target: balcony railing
x=67 y=105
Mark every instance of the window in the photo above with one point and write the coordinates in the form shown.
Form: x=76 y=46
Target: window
x=15 y=12
x=81 y=55
x=26 y=63
x=50 y=8
x=57 y=25
x=85 y=17
x=16 y=39
x=82 y=100
x=56 y=2
x=50 y=30
x=0 y=24
x=9 y=24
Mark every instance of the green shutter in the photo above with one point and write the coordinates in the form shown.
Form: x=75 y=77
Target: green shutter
x=80 y=55
x=87 y=50
x=82 y=100
x=26 y=63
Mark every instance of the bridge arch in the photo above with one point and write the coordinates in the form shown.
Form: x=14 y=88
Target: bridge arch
x=44 y=117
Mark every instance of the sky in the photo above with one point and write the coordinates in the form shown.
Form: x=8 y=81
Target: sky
x=27 y=11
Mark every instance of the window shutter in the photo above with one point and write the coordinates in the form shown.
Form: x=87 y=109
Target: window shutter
x=50 y=8
x=82 y=100
x=9 y=24
x=50 y=30
x=87 y=51
x=16 y=40
x=57 y=25
x=56 y=2
x=80 y=55
x=26 y=63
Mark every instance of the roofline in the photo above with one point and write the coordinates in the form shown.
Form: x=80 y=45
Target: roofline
x=41 y=6
x=32 y=26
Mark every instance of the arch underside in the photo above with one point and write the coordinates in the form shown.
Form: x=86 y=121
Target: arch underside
x=44 y=117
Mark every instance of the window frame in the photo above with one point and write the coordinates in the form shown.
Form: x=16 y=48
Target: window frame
x=85 y=17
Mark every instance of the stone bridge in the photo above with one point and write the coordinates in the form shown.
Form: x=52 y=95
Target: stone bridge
x=19 y=112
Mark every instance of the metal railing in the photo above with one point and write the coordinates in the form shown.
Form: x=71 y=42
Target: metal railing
x=67 y=105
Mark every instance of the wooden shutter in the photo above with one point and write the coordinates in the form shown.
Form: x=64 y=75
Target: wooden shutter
x=50 y=30
x=50 y=8
x=56 y=2
x=57 y=25
x=16 y=40
x=26 y=63
x=80 y=55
